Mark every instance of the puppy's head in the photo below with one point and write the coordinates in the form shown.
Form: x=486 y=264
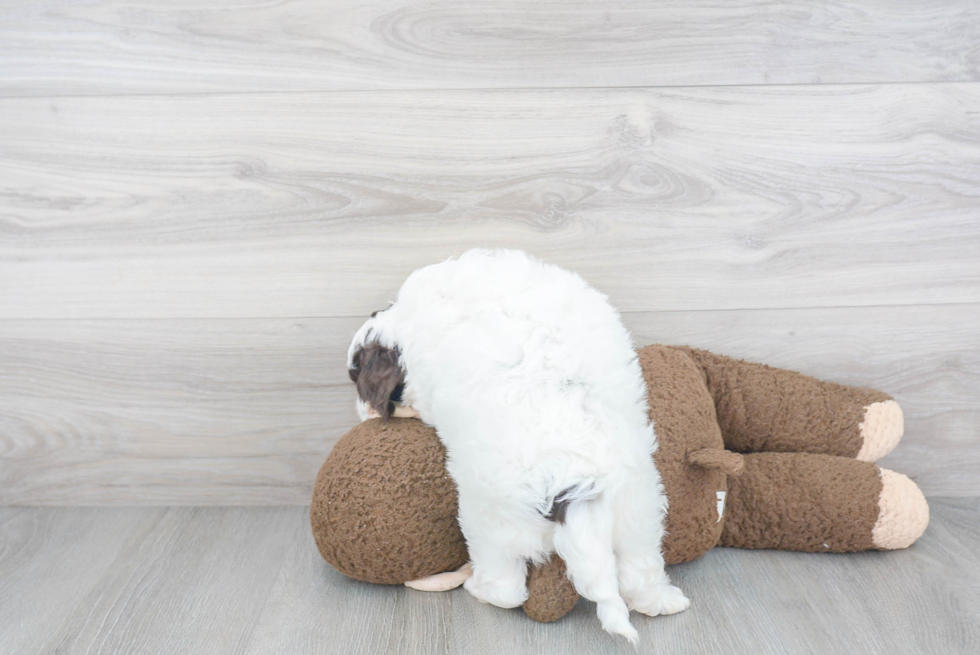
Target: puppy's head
x=379 y=378
x=373 y=364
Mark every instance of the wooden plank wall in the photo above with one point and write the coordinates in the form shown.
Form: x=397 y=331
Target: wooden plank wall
x=198 y=205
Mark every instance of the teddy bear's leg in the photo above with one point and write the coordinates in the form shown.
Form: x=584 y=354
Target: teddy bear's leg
x=766 y=409
x=821 y=503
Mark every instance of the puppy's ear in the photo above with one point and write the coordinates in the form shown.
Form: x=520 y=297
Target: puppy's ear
x=379 y=377
x=355 y=370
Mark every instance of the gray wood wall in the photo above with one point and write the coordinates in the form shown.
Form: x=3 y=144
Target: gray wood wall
x=199 y=203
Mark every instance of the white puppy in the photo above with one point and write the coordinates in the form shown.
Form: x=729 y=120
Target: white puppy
x=531 y=381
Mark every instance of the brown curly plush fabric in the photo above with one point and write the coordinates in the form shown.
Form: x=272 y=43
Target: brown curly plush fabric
x=384 y=508
x=766 y=409
x=796 y=501
x=684 y=419
x=725 y=461
x=550 y=593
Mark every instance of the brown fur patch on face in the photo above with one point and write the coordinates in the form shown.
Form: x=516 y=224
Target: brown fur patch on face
x=378 y=376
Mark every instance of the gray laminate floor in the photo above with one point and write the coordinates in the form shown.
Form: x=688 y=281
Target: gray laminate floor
x=249 y=580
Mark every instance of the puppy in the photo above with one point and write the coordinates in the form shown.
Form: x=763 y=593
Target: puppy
x=532 y=383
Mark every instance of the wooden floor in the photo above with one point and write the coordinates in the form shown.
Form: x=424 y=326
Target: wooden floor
x=250 y=580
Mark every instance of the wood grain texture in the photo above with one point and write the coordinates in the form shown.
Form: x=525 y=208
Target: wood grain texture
x=59 y=47
x=196 y=200
x=319 y=205
x=243 y=412
x=183 y=412
x=249 y=580
x=184 y=580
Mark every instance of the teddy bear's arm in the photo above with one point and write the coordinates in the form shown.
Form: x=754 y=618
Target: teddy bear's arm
x=766 y=409
x=442 y=581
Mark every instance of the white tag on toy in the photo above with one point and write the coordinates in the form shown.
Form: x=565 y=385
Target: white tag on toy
x=721 y=503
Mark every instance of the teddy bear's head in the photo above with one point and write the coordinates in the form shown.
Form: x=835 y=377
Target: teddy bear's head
x=384 y=507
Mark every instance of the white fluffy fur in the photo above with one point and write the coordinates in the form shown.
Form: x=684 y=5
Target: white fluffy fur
x=531 y=380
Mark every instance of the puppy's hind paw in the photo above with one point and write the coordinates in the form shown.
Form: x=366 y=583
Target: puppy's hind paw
x=660 y=599
x=497 y=592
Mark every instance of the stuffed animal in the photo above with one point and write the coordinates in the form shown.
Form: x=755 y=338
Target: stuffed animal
x=751 y=457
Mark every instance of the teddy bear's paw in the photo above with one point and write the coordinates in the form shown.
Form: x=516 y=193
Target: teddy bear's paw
x=659 y=599
x=501 y=592
x=442 y=581
x=881 y=430
x=903 y=512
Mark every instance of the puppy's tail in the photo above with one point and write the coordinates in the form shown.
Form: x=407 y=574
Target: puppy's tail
x=584 y=539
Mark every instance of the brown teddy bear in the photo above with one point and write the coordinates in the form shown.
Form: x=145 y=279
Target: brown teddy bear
x=751 y=457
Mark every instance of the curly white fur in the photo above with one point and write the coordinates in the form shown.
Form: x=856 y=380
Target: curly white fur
x=532 y=383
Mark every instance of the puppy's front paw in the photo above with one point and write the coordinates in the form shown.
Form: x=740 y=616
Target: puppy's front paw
x=660 y=599
x=499 y=592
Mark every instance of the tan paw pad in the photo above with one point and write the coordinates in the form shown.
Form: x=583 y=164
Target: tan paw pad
x=442 y=581
x=881 y=430
x=903 y=512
